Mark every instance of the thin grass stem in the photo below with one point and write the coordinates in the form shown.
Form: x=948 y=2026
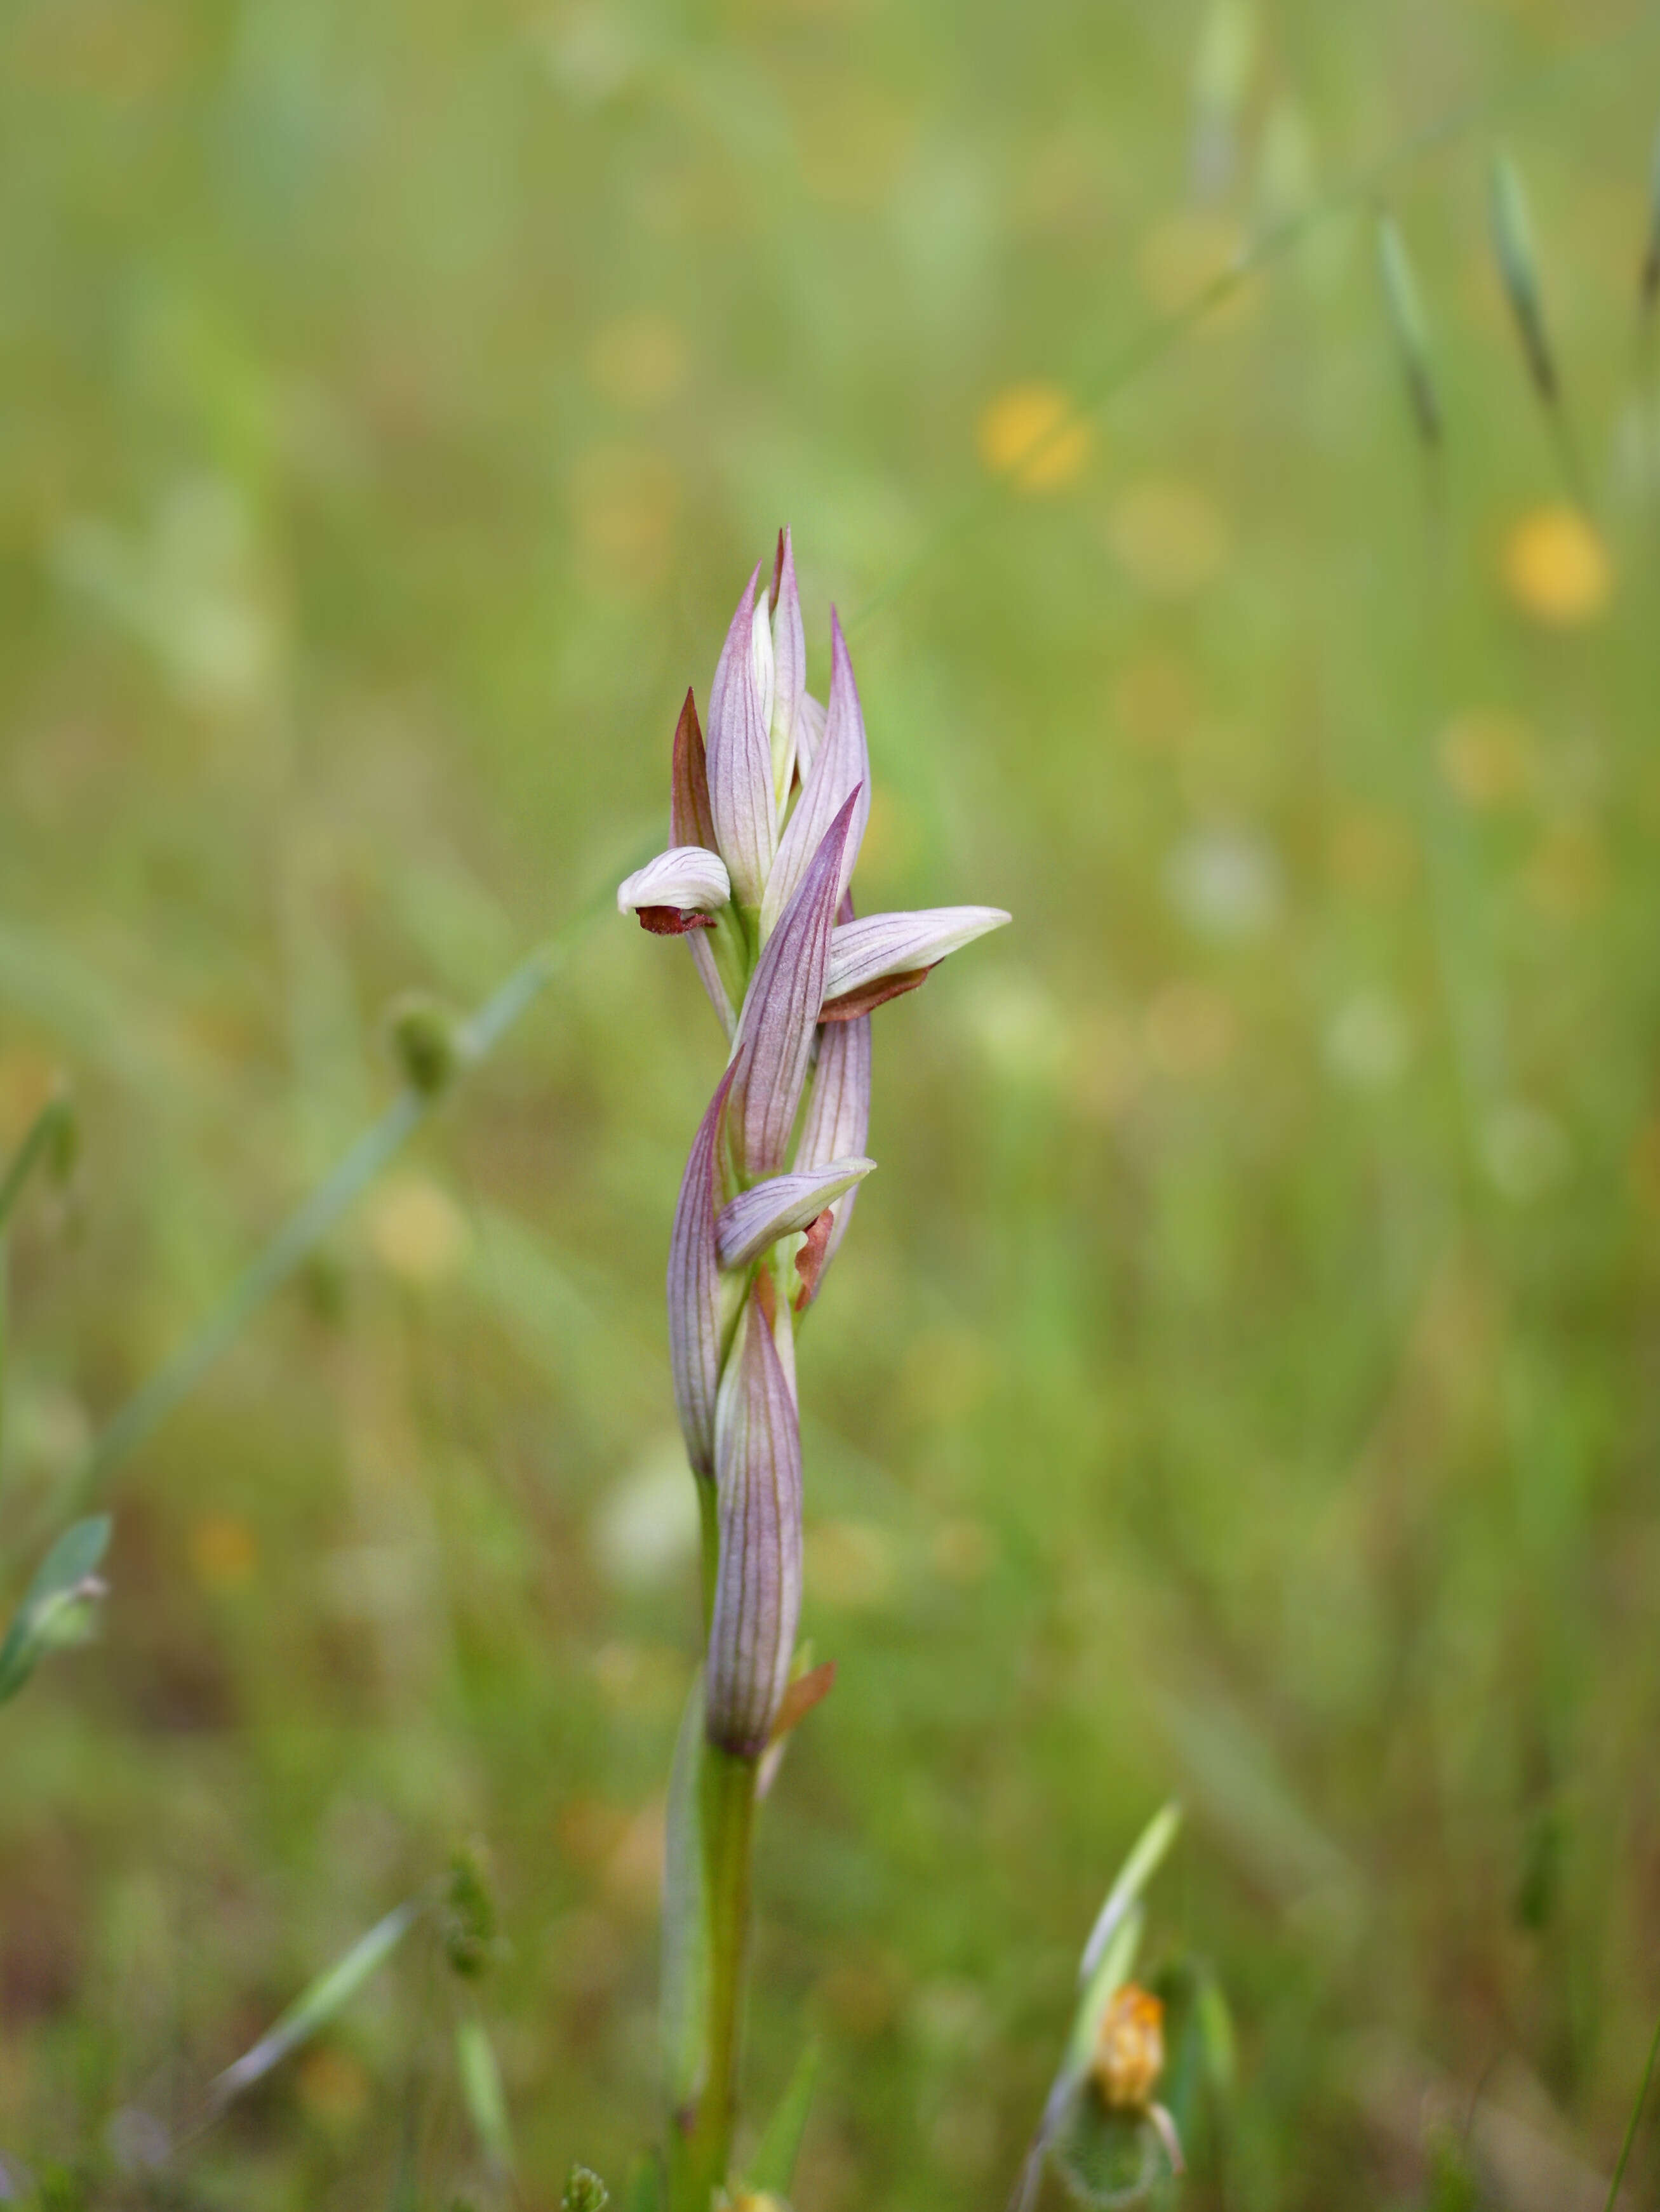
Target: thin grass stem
x=1624 y=2158
x=144 y=1413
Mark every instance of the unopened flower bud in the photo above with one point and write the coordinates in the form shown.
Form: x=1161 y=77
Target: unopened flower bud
x=757 y=1599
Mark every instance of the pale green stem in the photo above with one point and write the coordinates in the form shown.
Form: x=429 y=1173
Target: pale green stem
x=701 y=2139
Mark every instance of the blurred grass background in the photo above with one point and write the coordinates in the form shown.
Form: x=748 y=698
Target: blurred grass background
x=1243 y=1379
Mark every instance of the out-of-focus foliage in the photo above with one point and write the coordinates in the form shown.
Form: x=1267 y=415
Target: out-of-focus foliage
x=1241 y=1379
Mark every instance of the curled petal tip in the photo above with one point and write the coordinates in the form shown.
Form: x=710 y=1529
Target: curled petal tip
x=687 y=878
x=759 y=1217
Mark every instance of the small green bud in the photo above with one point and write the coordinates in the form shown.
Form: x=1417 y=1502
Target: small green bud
x=584 y=2192
x=469 y=1919
x=422 y=1035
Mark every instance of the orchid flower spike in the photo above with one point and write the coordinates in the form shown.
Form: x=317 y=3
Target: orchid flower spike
x=766 y=818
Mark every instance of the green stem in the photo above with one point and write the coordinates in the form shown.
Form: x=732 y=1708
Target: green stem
x=306 y=1228
x=701 y=2142
x=1631 y=2124
x=708 y=1513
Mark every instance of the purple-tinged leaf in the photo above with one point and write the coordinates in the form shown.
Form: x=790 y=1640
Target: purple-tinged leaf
x=781 y=1204
x=840 y=765
x=881 y=945
x=789 y=657
x=757 y=1595
x=694 y=1290
x=687 y=877
x=691 y=821
x=739 y=754
x=781 y=1012
x=835 y=1126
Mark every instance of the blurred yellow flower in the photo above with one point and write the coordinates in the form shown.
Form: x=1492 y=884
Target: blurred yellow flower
x=639 y=361
x=1486 y=757
x=222 y=1552
x=1031 y=433
x=418 y=1232
x=1169 y=536
x=1557 y=569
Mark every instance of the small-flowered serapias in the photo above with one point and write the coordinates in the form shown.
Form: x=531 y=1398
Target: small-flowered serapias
x=765 y=820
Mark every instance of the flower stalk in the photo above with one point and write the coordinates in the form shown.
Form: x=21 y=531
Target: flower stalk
x=765 y=821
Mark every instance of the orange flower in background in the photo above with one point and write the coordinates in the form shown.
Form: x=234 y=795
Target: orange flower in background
x=1032 y=434
x=1557 y=569
x=1129 y=2049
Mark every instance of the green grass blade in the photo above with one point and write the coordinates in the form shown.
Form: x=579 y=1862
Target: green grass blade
x=1624 y=2158
x=1147 y=1856
x=50 y=1131
x=772 y=2166
x=333 y=1989
x=55 y=1606
x=306 y=1227
x=481 y=2093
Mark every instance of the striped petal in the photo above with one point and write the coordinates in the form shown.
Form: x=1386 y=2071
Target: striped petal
x=809 y=733
x=892 y=944
x=688 y=877
x=789 y=664
x=741 y=804
x=841 y=766
x=837 y=1126
x=695 y=1291
x=783 y=1203
x=780 y=1010
x=757 y=1595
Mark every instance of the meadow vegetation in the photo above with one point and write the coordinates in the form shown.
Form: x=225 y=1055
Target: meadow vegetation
x=1243 y=1385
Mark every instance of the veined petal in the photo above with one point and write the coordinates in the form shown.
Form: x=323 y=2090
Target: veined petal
x=690 y=877
x=884 y=945
x=761 y=659
x=690 y=821
x=840 y=765
x=789 y=662
x=835 y=1126
x=773 y=1209
x=741 y=804
x=780 y=1010
x=757 y=1595
x=695 y=1291
x=809 y=733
